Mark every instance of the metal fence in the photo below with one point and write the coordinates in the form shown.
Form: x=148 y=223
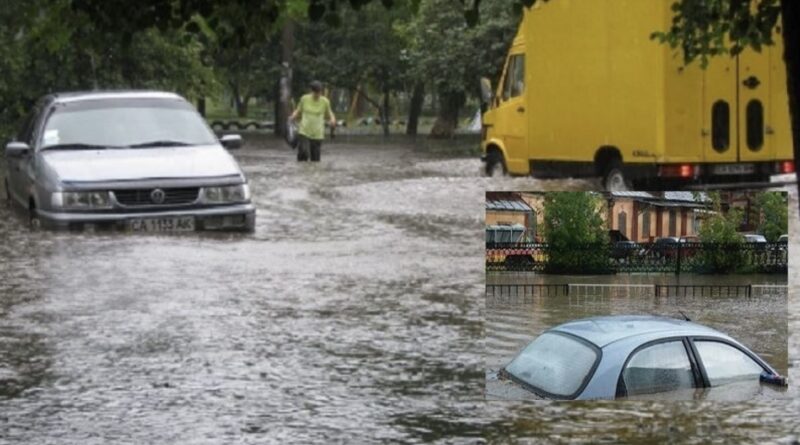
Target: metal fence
x=675 y=257
x=636 y=290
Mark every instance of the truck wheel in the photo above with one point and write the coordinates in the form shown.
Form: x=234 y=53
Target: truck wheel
x=495 y=165
x=614 y=179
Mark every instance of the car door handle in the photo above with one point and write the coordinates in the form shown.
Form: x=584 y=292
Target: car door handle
x=521 y=110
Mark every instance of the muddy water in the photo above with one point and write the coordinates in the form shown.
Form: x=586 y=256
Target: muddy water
x=353 y=314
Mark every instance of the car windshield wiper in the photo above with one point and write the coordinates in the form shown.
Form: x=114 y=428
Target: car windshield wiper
x=77 y=146
x=165 y=143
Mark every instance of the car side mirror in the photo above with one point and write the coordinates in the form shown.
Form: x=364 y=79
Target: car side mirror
x=17 y=149
x=486 y=91
x=231 y=141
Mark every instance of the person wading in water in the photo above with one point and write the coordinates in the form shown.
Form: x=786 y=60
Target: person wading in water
x=312 y=110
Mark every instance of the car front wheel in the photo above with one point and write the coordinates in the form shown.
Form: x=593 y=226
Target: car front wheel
x=34 y=222
x=7 y=194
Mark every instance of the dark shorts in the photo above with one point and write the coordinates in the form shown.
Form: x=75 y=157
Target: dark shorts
x=308 y=149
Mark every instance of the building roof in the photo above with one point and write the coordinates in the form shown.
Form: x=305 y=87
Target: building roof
x=632 y=195
x=667 y=199
x=687 y=196
x=508 y=206
x=604 y=330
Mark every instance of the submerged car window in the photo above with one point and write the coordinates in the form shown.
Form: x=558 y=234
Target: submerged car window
x=125 y=124
x=725 y=364
x=658 y=368
x=553 y=363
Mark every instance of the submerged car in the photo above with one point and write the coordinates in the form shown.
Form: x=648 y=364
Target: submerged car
x=632 y=356
x=130 y=160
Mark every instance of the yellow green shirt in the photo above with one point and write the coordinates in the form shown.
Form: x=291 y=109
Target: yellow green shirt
x=312 y=116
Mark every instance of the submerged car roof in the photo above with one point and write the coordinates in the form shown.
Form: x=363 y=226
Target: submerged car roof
x=604 y=330
x=78 y=96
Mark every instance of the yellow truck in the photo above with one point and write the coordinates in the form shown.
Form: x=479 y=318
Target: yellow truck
x=586 y=92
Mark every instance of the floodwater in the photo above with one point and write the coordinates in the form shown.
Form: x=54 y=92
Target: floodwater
x=354 y=314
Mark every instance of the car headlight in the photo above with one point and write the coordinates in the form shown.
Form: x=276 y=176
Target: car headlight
x=81 y=200
x=226 y=194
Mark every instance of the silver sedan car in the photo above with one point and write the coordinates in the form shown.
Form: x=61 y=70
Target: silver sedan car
x=128 y=160
x=634 y=357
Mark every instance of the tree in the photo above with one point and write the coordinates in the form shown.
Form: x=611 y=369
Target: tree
x=453 y=55
x=773 y=213
x=363 y=53
x=50 y=46
x=575 y=234
x=722 y=252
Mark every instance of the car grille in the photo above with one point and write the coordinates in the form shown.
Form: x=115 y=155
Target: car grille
x=144 y=197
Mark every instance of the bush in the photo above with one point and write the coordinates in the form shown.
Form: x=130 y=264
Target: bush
x=724 y=251
x=575 y=231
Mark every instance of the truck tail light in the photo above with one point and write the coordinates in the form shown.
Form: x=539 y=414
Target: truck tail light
x=678 y=171
x=786 y=167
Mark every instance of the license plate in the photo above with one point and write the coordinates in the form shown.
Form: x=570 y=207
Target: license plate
x=182 y=224
x=734 y=169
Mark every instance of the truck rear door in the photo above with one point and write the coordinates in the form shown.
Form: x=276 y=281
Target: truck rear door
x=754 y=114
x=720 y=111
x=740 y=122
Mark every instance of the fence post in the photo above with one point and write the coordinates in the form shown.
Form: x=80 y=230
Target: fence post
x=678 y=263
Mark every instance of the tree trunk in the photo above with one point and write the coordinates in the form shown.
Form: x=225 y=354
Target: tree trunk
x=238 y=102
x=790 y=12
x=447 y=117
x=415 y=109
x=385 y=119
x=201 y=106
x=283 y=108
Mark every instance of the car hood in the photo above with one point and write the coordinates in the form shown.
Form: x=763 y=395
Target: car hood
x=140 y=163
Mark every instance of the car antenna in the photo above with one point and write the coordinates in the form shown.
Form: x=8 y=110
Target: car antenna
x=684 y=316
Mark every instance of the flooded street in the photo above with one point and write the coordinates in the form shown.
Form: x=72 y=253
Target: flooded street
x=354 y=313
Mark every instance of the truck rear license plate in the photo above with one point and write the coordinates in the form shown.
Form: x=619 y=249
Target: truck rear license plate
x=157 y=225
x=734 y=169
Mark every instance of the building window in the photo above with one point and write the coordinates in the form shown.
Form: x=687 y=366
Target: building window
x=646 y=225
x=532 y=226
x=695 y=223
x=673 y=222
x=622 y=224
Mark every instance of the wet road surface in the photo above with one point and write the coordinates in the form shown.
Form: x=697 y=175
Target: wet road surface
x=353 y=314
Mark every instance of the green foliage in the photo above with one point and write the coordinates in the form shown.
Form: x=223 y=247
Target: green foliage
x=706 y=28
x=575 y=232
x=724 y=253
x=452 y=56
x=365 y=49
x=774 y=211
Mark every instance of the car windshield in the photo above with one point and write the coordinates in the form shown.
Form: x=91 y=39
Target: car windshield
x=555 y=364
x=136 y=123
